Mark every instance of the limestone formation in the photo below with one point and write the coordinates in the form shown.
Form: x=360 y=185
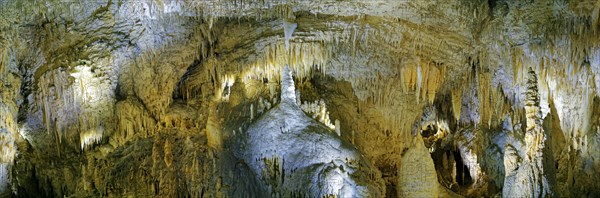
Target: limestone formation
x=302 y=98
x=526 y=175
x=296 y=156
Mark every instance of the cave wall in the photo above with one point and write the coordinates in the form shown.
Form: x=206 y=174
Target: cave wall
x=148 y=98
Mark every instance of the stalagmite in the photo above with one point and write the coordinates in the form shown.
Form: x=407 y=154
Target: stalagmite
x=525 y=173
x=213 y=129
x=261 y=106
x=288 y=92
x=168 y=159
x=287 y=151
x=417 y=176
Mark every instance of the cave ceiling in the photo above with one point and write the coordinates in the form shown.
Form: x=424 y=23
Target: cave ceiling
x=300 y=98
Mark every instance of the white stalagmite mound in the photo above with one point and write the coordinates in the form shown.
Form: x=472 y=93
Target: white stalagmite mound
x=293 y=154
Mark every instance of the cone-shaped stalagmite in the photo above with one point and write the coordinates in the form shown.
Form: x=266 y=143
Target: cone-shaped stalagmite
x=526 y=176
x=292 y=153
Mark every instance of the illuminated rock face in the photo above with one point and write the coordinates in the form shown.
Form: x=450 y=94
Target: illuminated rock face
x=526 y=175
x=9 y=129
x=417 y=176
x=294 y=155
x=177 y=98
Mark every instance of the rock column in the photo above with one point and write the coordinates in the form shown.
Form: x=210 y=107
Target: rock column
x=525 y=175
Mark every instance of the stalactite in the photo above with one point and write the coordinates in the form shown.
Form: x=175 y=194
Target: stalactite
x=318 y=111
x=303 y=59
x=456 y=102
x=251 y=111
x=90 y=137
x=288 y=29
x=483 y=92
x=338 y=127
x=419 y=83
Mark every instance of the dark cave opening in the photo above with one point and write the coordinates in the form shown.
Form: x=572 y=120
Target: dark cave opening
x=451 y=170
x=389 y=173
x=463 y=176
x=430 y=131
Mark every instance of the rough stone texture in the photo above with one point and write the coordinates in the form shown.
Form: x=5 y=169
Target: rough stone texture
x=10 y=84
x=417 y=176
x=525 y=173
x=297 y=156
x=101 y=98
